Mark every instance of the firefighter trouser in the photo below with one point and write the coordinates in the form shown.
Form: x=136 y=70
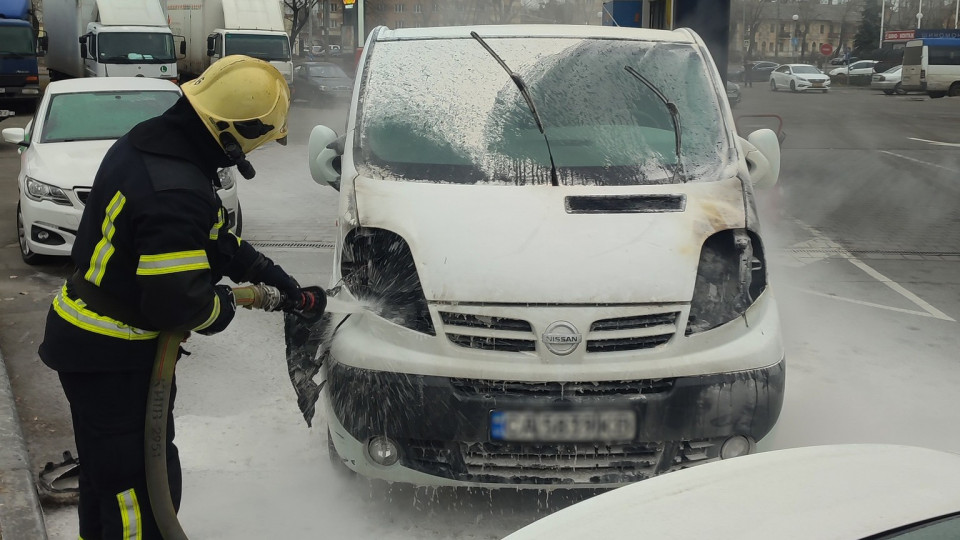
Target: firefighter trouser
x=109 y=410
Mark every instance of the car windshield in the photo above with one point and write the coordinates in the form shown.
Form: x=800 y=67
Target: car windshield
x=269 y=47
x=101 y=115
x=16 y=40
x=464 y=121
x=135 y=47
x=806 y=70
x=328 y=72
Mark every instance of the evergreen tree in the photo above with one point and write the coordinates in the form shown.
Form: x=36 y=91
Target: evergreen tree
x=868 y=33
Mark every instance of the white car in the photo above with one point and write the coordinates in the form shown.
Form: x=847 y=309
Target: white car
x=839 y=492
x=75 y=124
x=577 y=307
x=888 y=81
x=862 y=68
x=799 y=77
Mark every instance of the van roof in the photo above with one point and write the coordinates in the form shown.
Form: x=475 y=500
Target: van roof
x=537 y=30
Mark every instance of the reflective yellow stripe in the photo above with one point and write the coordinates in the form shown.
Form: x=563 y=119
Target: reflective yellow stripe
x=213 y=314
x=130 y=515
x=215 y=231
x=104 y=250
x=237 y=237
x=75 y=312
x=169 y=263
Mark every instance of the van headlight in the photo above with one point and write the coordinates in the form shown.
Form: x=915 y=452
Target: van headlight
x=40 y=191
x=227 y=180
x=378 y=267
x=731 y=275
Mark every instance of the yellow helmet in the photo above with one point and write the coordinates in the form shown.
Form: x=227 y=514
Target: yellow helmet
x=243 y=100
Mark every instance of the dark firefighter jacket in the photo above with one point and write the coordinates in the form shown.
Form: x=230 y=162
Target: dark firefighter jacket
x=151 y=245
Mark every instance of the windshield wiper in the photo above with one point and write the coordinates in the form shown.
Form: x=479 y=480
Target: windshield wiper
x=671 y=106
x=522 y=86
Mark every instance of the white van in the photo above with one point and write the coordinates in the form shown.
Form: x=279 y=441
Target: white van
x=554 y=228
x=932 y=66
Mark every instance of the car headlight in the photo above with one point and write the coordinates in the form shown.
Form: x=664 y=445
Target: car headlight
x=378 y=268
x=39 y=191
x=227 y=180
x=731 y=275
x=801 y=79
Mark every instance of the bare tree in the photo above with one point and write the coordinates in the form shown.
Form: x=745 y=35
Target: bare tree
x=749 y=12
x=301 y=10
x=504 y=11
x=807 y=11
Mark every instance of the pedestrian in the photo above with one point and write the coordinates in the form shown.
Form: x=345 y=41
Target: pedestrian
x=747 y=79
x=150 y=249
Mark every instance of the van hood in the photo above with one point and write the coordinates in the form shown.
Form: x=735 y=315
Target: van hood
x=68 y=164
x=506 y=244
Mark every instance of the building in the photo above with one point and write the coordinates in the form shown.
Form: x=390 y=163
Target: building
x=792 y=29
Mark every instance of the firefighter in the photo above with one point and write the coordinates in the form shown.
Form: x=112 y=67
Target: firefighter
x=151 y=247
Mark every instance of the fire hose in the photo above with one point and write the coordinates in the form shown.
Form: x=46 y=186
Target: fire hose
x=158 y=403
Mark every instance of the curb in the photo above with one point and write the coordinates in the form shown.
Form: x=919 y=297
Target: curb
x=20 y=513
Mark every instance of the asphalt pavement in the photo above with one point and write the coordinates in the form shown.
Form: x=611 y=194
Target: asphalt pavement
x=864 y=248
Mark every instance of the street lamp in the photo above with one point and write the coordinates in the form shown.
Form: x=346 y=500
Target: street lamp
x=793 y=40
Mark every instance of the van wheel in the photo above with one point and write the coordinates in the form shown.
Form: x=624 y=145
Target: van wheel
x=935 y=95
x=898 y=89
x=773 y=85
x=954 y=89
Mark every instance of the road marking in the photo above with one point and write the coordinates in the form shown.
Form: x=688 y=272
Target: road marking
x=864 y=303
x=870 y=271
x=920 y=161
x=936 y=143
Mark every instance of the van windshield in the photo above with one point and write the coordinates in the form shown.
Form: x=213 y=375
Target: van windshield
x=135 y=48
x=463 y=120
x=268 y=47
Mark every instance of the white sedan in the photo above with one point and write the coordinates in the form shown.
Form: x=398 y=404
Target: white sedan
x=863 y=68
x=75 y=124
x=799 y=77
x=848 y=492
x=888 y=81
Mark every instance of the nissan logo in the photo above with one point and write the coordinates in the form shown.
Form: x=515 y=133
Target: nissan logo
x=561 y=338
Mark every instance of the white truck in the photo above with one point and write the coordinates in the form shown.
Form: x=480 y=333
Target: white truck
x=100 y=38
x=213 y=29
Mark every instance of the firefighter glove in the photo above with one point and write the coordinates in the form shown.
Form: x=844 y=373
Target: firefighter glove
x=228 y=308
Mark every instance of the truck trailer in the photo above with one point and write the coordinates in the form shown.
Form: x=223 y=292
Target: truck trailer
x=213 y=29
x=109 y=38
x=19 y=49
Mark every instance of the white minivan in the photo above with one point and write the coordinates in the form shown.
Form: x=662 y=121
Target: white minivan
x=932 y=66
x=554 y=232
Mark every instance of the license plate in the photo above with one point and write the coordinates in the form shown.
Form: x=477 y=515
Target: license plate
x=544 y=426
x=818 y=85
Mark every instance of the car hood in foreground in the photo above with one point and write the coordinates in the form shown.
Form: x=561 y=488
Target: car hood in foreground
x=842 y=491
x=507 y=244
x=67 y=164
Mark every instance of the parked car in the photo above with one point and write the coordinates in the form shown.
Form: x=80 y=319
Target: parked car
x=758 y=71
x=840 y=492
x=75 y=124
x=863 y=68
x=322 y=81
x=888 y=81
x=842 y=61
x=798 y=78
x=558 y=283
x=733 y=94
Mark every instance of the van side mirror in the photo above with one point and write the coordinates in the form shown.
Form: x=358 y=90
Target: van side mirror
x=763 y=157
x=324 y=151
x=83 y=46
x=42 y=43
x=183 y=46
x=211 y=45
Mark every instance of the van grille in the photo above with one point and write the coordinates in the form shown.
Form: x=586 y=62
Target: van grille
x=561 y=389
x=561 y=463
x=633 y=333
x=489 y=333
